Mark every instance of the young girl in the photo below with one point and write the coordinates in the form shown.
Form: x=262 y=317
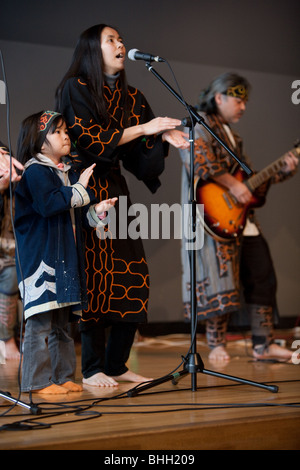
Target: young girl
x=50 y=266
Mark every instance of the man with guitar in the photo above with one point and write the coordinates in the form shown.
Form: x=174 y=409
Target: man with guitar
x=235 y=259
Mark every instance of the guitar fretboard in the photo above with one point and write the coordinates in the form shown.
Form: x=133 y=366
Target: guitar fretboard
x=256 y=180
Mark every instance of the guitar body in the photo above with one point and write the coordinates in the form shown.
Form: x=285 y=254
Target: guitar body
x=224 y=217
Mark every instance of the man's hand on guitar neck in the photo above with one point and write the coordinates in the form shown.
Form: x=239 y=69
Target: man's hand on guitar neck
x=238 y=189
x=291 y=163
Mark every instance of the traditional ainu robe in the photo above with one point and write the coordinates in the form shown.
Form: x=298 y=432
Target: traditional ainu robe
x=117 y=272
x=217 y=263
x=218 y=286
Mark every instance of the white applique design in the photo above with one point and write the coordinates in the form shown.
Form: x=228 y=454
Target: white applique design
x=32 y=292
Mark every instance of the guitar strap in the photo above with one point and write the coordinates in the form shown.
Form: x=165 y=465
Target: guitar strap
x=229 y=134
x=250 y=229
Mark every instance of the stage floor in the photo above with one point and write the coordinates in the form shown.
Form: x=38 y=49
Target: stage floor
x=219 y=414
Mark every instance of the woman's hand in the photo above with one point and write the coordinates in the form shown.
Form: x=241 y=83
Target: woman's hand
x=6 y=166
x=160 y=124
x=155 y=126
x=176 y=138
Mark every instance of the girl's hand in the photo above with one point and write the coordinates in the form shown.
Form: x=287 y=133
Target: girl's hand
x=85 y=175
x=102 y=207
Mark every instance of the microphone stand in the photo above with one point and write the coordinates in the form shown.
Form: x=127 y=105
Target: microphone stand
x=34 y=409
x=193 y=362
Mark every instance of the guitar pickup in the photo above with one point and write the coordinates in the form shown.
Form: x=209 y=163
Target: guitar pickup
x=227 y=200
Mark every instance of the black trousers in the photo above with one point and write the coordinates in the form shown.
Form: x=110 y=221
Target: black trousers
x=106 y=354
x=259 y=285
x=257 y=272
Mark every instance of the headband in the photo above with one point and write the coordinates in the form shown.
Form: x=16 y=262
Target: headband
x=46 y=120
x=238 y=91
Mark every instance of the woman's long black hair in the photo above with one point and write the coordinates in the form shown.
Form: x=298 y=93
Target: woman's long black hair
x=87 y=63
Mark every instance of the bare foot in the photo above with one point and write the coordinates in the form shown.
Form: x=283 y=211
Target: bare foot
x=274 y=351
x=11 y=350
x=72 y=387
x=219 y=354
x=100 y=380
x=130 y=376
x=52 y=390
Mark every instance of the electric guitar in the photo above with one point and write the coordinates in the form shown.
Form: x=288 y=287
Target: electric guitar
x=224 y=218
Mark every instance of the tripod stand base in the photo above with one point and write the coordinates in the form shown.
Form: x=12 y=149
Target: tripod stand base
x=174 y=378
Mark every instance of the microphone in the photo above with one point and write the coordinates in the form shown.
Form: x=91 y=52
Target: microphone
x=135 y=54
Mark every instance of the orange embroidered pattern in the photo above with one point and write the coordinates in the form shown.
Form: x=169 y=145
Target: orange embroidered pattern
x=214 y=305
x=112 y=281
x=117 y=271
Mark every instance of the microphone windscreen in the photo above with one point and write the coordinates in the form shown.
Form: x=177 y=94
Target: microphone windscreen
x=131 y=54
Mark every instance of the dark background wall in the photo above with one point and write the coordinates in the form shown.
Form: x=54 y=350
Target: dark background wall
x=200 y=39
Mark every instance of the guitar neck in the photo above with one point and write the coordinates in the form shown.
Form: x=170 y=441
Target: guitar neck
x=264 y=175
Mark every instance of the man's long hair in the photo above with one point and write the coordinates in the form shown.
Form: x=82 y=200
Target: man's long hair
x=220 y=84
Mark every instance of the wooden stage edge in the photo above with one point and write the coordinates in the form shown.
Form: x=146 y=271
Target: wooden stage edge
x=220 y=414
